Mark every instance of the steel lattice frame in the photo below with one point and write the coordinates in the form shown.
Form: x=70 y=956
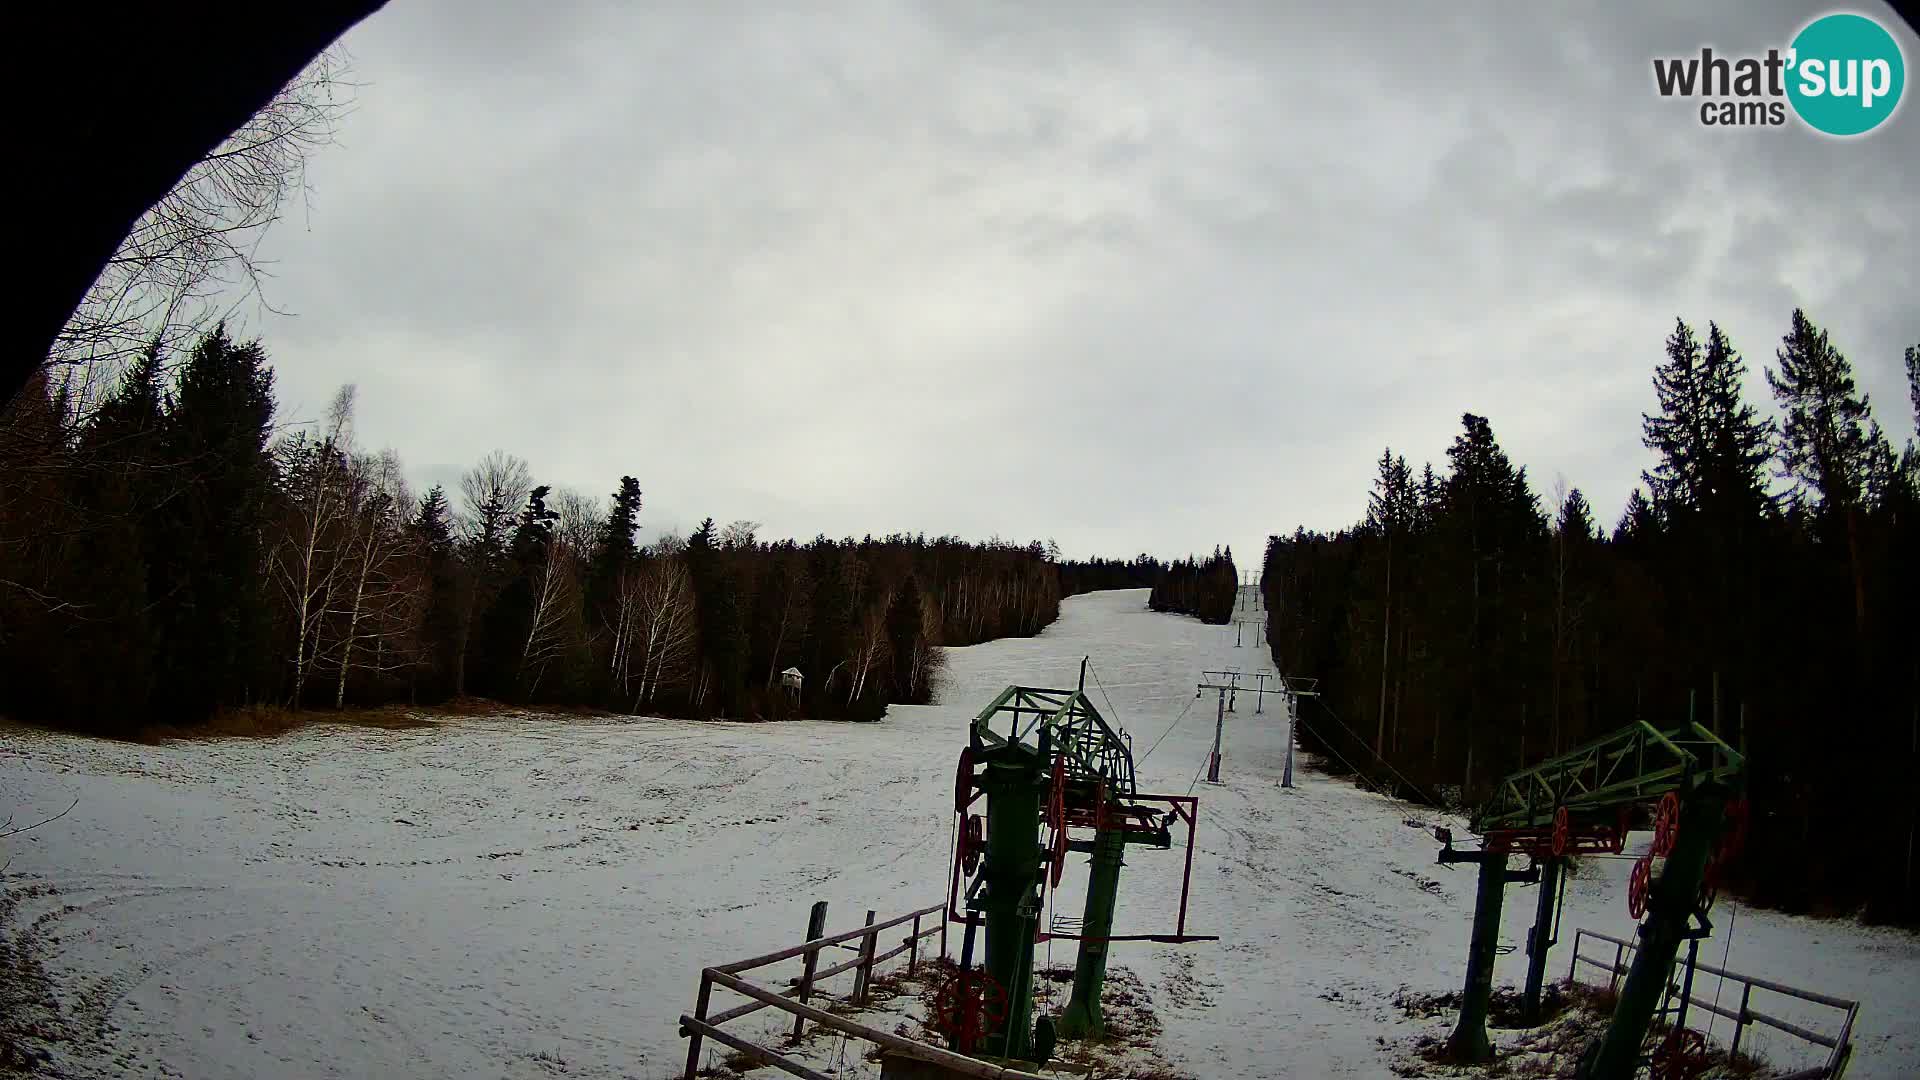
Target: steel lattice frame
x=1093 y=750
x=1636 y=763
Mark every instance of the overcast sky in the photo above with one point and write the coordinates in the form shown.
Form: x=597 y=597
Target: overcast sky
x=1137 y=277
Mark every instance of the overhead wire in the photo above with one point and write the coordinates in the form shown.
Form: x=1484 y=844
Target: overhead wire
x=1169 y=731
x=1196 y=775
x=1720 y=984
x=1411 y=786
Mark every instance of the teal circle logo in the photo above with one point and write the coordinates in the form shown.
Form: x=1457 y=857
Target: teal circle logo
x=1845 y=74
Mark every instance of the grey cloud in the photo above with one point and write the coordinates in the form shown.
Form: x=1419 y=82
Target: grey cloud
x=1135 y=276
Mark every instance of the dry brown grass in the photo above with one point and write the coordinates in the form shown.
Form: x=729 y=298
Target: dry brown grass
x=272 y=721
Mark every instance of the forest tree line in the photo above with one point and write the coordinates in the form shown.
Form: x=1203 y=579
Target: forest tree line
x=1095 y=574
x=1204 y=588
x=166 y=553
x=1762 y=580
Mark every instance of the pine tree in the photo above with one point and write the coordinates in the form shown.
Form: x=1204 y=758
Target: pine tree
x=1824 y=444
x=217 y=647
x=1639 y=522
x=432 y=529
x=1489 y=527
x=1391 y=508
x=1910 y=461
x=614 y=549
x=1829 y=446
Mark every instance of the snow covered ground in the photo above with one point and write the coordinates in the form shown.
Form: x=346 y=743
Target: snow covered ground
x=533 y=896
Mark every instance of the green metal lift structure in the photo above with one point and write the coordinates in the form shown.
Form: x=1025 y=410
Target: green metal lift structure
x=1053 y=762
x=1583 y=801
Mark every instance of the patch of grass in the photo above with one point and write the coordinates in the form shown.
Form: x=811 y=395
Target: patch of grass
x=272 y=721
x=1550 y=1051
x=1506 y=1009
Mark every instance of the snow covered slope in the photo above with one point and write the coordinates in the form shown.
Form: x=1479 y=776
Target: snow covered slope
x=526 y=896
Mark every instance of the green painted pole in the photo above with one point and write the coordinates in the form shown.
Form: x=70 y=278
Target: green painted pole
x=1469 y=1044
x=1013 y=783
x=1540 y=941
x=1617 y=1054
x=1082 y=1018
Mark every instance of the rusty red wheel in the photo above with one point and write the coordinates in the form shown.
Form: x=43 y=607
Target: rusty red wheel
x=973 y=844
x=1562 y=831
x=1682 y=1055
x=968 y=1007
x=1666 y=824
x=1639 y=884
x=963 y=781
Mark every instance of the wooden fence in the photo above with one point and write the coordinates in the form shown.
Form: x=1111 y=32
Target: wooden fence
x=1839 y=1046
x=704 y=1025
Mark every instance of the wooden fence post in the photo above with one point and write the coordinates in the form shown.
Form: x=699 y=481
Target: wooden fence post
x=913 y=945
x=943 y=933
x=699 y=1013
x=816 y=927
x=1613 y=981
x=863 y=974
x=1740 y=1025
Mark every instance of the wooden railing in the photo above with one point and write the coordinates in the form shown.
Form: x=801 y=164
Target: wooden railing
x=1839 y=1046
x=704 y=1025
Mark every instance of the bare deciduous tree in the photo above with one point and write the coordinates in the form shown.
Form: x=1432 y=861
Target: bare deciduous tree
x=581 y=517
x=870 y=648
x=493 y=492
x=739 y=535
x=556 y=600
x=304 y=564
x=193 y=256
x=664 y=627
x=376 y=585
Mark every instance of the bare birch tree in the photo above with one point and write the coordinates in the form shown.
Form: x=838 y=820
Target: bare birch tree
x=374 y=581
x=304 y=563
x=664 y=625
x=554 y=623
x=870 y=648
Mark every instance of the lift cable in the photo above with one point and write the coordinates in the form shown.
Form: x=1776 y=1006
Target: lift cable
x=1169 y=731
x=1411 y=786
x=1721 y=982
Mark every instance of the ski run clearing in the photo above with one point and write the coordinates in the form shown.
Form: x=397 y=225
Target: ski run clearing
x=523 y=895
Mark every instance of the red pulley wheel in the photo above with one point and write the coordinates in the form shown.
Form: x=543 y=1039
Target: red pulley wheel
x=1666 y=824
x=972 y=844
x=1639 y=884
x=963 y=781
x=1682 y=1056
x=1562 y=831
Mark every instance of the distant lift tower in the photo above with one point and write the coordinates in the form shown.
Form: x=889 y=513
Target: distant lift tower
x=1230 y=685
x=1295 y=690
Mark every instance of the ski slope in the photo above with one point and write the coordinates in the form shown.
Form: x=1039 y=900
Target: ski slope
x=529 y=896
